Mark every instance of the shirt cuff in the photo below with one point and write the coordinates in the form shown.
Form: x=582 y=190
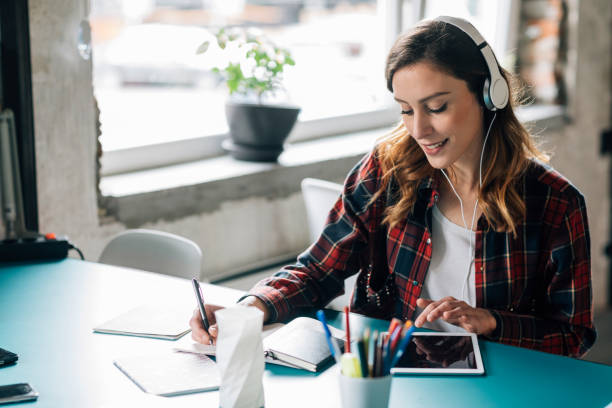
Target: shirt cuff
x=275 y=301
x=496 y=334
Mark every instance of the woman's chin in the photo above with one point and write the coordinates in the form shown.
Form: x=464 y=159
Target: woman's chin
x=437 y=162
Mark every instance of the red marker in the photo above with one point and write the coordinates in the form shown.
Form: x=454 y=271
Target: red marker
x=394 y=323
x=347 y=349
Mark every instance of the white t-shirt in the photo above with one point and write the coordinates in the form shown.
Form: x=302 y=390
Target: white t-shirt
x=451 y=260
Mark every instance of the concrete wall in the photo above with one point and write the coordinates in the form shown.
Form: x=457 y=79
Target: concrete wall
x=576 y=146
x=245 y=231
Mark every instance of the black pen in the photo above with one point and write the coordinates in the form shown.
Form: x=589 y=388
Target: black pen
x=200 y=297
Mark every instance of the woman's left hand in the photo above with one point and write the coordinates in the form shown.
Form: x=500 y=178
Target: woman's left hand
x=457 y=312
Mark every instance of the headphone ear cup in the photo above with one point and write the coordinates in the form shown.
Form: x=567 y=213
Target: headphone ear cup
x=496 y=94
x=486 y=95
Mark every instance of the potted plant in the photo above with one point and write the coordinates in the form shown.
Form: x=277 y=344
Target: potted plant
x=258 y=128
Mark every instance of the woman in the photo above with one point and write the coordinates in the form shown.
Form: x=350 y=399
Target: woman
x=453 y=219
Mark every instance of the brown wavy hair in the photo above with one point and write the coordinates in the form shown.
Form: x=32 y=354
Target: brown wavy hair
x=509 y=147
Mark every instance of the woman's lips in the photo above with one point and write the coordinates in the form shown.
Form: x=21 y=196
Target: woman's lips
x=434 y=148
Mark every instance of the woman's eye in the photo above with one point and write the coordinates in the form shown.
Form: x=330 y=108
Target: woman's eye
x=407 y=112
x=438 y=110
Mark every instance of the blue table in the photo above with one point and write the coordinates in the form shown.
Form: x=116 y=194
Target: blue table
x=48 y=310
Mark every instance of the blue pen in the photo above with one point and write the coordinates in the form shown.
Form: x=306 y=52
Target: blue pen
x=331 y=342
x=402 y=347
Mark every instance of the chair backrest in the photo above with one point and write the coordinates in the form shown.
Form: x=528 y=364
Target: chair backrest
x=154 y=251
x=319 y=198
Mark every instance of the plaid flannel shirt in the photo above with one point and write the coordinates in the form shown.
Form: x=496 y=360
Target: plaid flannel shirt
x=537 y=285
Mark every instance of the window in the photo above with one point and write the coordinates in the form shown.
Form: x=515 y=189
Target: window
x=160 y=102
x=492 y=18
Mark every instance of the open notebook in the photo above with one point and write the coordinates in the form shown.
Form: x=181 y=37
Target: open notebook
x=300 y=343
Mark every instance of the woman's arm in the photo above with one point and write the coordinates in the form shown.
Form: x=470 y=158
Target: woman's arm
x=319 y=273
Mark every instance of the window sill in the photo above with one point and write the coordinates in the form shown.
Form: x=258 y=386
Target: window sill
x=177 y=191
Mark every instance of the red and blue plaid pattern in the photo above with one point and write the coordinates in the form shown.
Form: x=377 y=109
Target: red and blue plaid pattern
x=537 y=285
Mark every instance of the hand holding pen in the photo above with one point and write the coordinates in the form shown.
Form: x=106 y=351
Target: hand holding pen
x=203 y=323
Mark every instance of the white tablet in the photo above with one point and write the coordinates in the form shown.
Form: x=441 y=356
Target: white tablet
x=441 y=353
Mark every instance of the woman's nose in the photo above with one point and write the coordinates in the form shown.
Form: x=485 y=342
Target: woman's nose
x=421 y=126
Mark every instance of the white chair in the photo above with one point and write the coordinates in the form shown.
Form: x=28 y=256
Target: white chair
x=154 y=251
x=319 y=198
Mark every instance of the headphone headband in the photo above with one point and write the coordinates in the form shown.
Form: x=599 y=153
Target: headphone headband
x=495 y=92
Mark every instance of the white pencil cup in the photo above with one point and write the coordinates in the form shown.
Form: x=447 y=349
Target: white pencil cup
x=359 y=392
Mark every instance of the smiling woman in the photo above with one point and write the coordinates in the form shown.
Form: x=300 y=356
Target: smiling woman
x=451 y=80
x=441 y=74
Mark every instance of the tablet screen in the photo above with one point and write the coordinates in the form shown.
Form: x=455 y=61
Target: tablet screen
x=441 y=353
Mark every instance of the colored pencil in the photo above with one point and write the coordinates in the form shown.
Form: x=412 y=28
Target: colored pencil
x=347 y=348
x=372 y=352
x=402 y=345
x=363 y=359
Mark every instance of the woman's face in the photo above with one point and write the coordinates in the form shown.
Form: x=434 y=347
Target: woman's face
x=441 y=114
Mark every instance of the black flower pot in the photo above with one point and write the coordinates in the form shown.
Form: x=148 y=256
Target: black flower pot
x=258 y=132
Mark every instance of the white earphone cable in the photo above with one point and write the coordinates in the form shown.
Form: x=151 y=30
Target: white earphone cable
x=483 y=147
x=469 y=232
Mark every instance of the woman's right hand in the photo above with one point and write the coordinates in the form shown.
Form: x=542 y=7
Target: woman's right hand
x=198 y=333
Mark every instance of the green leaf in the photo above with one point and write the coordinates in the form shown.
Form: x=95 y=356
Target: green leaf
x=203 y=47
x=235 y=77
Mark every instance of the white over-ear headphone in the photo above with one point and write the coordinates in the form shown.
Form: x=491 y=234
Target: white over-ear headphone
x=495 y=91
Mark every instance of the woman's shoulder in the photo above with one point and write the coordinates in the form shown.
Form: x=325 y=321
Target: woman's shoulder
x=362 y=183
x=367 y=171
x=542 y=179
